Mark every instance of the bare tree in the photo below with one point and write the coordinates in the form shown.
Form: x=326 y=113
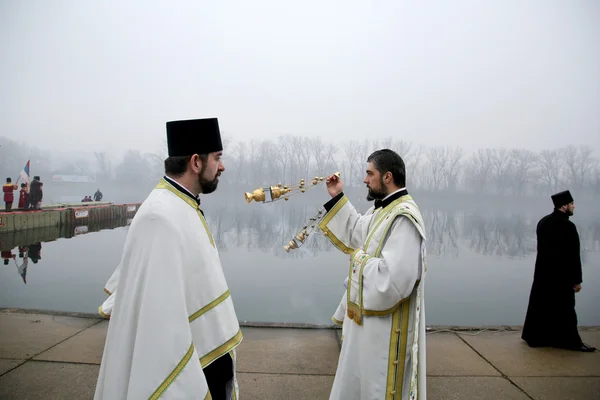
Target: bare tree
x=549 y=164
x=385 y=143
x=283 y=157
x=239 y=155
x=261 y=153
x=403 y=149
x=330 y=163
x=364 y=152
x=479 y=170
x=501 y=166
x=134 y=168
x=317 y=149
x=522 y=162
x=595 y=177
x=414 y=158
x=352 y=152
x=103 y=165
x=302 y=155
x=579 y=163
x=437 y=158
x=452 y=168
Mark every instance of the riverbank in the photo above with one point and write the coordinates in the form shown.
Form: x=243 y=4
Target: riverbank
x=53 y=355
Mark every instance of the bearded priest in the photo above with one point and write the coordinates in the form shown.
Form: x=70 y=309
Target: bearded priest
x=382 y=310
x=173 y=329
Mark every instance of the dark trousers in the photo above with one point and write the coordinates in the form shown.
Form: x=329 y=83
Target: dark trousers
x=218 y=374
x=8 y=205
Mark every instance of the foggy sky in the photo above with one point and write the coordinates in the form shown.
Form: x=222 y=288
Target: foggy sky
x=500 y=74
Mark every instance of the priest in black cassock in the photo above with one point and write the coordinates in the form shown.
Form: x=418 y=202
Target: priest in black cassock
x=551 y=319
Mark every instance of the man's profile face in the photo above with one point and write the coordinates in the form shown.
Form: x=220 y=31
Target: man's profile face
x=570 y=208
x=210 y=172
x=374 y=182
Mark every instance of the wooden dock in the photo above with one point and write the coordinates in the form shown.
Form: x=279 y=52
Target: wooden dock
x=67 y=214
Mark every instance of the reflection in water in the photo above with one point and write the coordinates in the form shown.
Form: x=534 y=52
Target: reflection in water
x=442 y=233
x=508 y=236
x=275 y=286
x=268 y=229
x=511 y=236
x=28 y=243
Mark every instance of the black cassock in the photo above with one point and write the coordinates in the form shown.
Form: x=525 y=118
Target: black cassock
x=551 y=319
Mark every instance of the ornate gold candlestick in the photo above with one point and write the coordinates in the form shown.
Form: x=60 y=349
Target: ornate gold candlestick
x=274 y=193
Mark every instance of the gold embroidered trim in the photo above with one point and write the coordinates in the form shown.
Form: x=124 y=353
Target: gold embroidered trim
x=354 y=313
x=173 y=375
x=323 y=226
x=355 y=310
x=222 y=349
x=102 y=313
x=209 y=306
x=351 y=308
x=163 y=184
x=107 y=291
x=382 y=313
x=360 y=284
x=382 y=215
x=212 y=241
x=337 y=321
x=397 y=352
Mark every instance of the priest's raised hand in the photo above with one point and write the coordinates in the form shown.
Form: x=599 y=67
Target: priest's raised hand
x=335 y=186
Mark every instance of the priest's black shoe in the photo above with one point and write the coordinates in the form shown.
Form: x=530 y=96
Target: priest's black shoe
x=586 y=349
x=583 y=347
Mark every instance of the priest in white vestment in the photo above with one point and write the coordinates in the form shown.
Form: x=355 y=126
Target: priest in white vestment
x=173 y=330
x=382 y=309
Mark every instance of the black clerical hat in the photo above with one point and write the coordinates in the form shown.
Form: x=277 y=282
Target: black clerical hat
x=562 y=198
x=193 y=136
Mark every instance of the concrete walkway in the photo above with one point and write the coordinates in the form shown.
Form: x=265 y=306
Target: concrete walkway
x=52 y=356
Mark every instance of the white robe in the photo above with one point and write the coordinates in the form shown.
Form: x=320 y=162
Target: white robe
x=171 y=313
x=111 y=289
x=382 y=310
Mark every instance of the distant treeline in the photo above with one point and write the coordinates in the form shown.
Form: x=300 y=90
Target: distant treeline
x=287 y=159
x=269 y=227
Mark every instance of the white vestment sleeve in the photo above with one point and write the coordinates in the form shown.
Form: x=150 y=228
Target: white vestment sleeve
x=391 y=277
x=105 y=309
x=344 y=226
x=113 y=281
x=149 y=353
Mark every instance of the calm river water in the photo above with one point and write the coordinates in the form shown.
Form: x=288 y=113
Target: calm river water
x=480 y=265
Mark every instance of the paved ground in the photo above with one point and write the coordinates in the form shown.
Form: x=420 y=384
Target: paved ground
x=57 y=357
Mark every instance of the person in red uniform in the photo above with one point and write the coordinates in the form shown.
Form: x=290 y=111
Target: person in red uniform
x=23 y=196
x=7 y=255
x=8 y=188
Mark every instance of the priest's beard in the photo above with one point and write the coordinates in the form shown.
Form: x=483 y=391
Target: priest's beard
x=207 y=186
x=377 y=194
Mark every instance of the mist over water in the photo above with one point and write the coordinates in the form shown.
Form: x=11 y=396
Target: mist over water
x=480 y=263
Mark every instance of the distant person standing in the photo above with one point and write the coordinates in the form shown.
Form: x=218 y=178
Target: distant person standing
x=23 y=196
x=36 y=194
x=98 y=195
x=9 y=196
x=551 y=319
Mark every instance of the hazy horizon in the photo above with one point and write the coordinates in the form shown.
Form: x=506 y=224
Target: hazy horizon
x=79 y=76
